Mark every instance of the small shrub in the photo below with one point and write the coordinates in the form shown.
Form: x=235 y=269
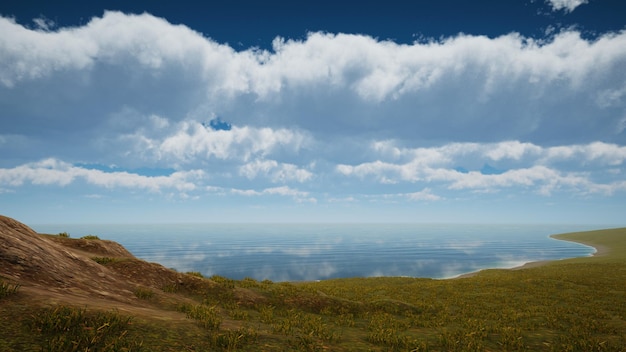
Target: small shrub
x=249 y=282
x=90 y=237
x=7 y=289
x=207 y=317
x=345 y=319
x=144 y=293
x=196 y=274
x=170 y=288
x=223 y=281
x=385 y=329
x=64 y=234
x=461 y=341
x=183 y=307
x=306 y=343
x=103 y=260
x=239 y=314
x=511 y=339
x=267 y=314
x=222 y=293
x=235 y=311
x=233 y=340
x=73 y=329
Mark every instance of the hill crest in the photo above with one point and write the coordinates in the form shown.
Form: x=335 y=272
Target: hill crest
x=56 y=269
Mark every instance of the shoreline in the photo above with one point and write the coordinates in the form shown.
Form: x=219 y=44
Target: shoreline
x=599 y=250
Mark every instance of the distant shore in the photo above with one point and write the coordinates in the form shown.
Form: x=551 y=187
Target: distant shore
x=600 y=250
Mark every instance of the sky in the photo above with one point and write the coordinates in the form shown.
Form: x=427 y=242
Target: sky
x=449 y=111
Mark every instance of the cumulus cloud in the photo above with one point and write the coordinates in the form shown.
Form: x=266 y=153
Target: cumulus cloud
x=566 y=5
x=527 y=165
x=148 y=41
x=44 y=24
x=56 y=172
x=342 y=116
x=325 y=83
x=300 y=196
x=277 y=172
x=423 y=195
x=193 y=141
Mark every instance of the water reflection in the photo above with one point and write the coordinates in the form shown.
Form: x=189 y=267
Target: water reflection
x=315 y=252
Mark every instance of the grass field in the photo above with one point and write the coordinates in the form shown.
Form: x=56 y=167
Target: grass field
x=575 y=304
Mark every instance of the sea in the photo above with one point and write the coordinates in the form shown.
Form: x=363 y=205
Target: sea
x=309 y=252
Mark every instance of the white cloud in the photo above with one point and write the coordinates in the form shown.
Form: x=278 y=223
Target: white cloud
x=342 y=116
x=379 y=70
x=567 y=5
x=56 y=172
x=277 y=172
x=603 y=153
x=527 y=166
x=608 y=189
x=32 y=54
x=366 y=84
x=511 y=150
x=544 y=179
x=611 y=97
x=193 y=141
x=44 y=24
x=300 y=196
x=423 y=195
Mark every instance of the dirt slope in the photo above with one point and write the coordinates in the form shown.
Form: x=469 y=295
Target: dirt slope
x=53 y=269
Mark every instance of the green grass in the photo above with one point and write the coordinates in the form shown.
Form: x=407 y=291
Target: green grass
x=208 y=317
x=90 y=237
x=73 y=329
x=8 y=289
x=104 y=260
x=612 y=239
x=144 y=293
x=575 y=304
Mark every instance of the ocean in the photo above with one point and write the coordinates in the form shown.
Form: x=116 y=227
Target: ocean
x=307 y=252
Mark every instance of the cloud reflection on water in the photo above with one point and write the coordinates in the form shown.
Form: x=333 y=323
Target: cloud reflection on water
x=314 y=252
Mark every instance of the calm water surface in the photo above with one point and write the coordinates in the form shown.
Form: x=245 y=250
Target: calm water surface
x=292 y=252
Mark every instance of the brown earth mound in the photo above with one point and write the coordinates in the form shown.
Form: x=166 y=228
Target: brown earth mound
x=55 y=269
x=29 y=258
x=100 y=248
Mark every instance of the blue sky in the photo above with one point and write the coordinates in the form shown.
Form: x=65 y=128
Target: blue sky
x=395 y=111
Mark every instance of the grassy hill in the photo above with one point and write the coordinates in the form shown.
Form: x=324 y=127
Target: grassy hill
x=63 y=294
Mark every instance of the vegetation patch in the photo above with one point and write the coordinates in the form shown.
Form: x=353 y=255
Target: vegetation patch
x=90 y=237
x=144 y=293
x=104 y=260
x=207 y=316
x=8 y=289
x=74 y=329
x=233 y=340
x=568 y=305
